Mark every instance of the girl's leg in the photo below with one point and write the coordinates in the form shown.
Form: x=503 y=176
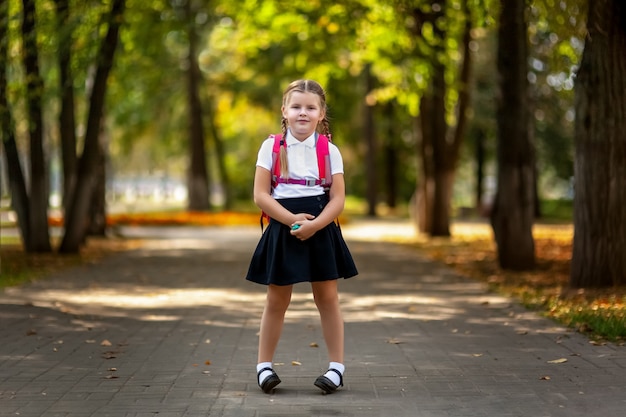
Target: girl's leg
x=327 y=302
x=276 y=303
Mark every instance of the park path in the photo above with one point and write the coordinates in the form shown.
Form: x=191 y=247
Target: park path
x=170 y=329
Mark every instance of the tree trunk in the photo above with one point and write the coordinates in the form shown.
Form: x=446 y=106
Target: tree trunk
x=599 y=249
x=39 y=191
x=440 y=145
x=198 y=173
x=426 y=184
x=391 y=156
x=77 y=220
x=17 y=184
x=513 y=211
x=97 y=210
x=479 y=147
x=67 y=122
x=371 y=148
x=220 y=154
x=439 y=224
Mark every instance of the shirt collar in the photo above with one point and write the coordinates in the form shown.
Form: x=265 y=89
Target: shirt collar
x=308 y=142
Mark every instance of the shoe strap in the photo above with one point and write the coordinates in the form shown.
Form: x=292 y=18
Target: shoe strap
x=263 y=370
x=338 y=373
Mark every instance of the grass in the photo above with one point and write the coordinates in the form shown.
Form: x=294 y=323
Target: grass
x=598 y=313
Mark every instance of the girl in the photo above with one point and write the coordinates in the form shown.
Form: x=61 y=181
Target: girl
x=302 y=242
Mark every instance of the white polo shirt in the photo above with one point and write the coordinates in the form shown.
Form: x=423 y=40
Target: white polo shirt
x=302 y=160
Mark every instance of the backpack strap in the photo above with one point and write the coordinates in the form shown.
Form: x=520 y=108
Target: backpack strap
x=323 y=161
x=278 y=142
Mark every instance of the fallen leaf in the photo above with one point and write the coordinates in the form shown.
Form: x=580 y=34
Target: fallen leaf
x=477 y=355
x=296 y=363
x=90 y=341
x=394 y=341
x=522 y=332
x=31 y=332
x=112 y=369
x=313 y=345
x=207 y=341
x=105 y=342
x=109 y=355
x=545 y=378
x=111 y=377
x=207 y=362
x=561 y=360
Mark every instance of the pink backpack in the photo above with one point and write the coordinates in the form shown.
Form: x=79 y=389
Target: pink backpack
x=323 y=164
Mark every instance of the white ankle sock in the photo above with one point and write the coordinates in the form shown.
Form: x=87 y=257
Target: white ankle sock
x=264 y=374
x=333 y=375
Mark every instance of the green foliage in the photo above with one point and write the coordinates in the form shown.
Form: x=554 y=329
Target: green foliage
x=556 y=34
x=251 y=49
x=559 y=210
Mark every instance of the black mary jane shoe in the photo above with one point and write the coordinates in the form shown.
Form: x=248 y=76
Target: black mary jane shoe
x=328 y=386
x=270 y=382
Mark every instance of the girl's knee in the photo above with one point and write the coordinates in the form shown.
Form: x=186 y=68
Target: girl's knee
x=325 y=296
x=278 y=298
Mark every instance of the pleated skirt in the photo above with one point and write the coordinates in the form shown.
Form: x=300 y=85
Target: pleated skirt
x=282 y=259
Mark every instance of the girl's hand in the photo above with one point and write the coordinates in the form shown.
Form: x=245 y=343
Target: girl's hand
x=301 y=227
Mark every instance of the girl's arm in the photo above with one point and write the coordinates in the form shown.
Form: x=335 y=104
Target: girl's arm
x=332 y=210
x=264 y=200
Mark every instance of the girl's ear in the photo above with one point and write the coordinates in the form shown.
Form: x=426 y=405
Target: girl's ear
x=282 y=110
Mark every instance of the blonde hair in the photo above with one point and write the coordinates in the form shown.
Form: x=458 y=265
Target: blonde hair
x=302 y=86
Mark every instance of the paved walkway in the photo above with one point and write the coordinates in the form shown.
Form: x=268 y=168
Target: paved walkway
x=171 y=330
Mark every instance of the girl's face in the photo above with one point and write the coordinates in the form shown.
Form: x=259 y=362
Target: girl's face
x=303 y=112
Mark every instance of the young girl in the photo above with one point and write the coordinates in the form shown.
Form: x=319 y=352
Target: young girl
x=302 y=242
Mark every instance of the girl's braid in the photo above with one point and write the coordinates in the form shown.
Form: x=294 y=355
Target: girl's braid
x=282 y=155
x=325 y=127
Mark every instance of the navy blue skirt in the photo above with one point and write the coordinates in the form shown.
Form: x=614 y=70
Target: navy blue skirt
x=282 y=259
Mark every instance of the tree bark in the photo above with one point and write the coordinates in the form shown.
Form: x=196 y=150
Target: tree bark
x=39 y=190
x=67 y=122
x=220 y=154
x=479 y=149
x=599 y=248
x=513 y=211
x=391 y=158
x=440 y=142
x=369 y=134
x=97 y=210
x=77 y=220
x=198 y=182
x=17 y=184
